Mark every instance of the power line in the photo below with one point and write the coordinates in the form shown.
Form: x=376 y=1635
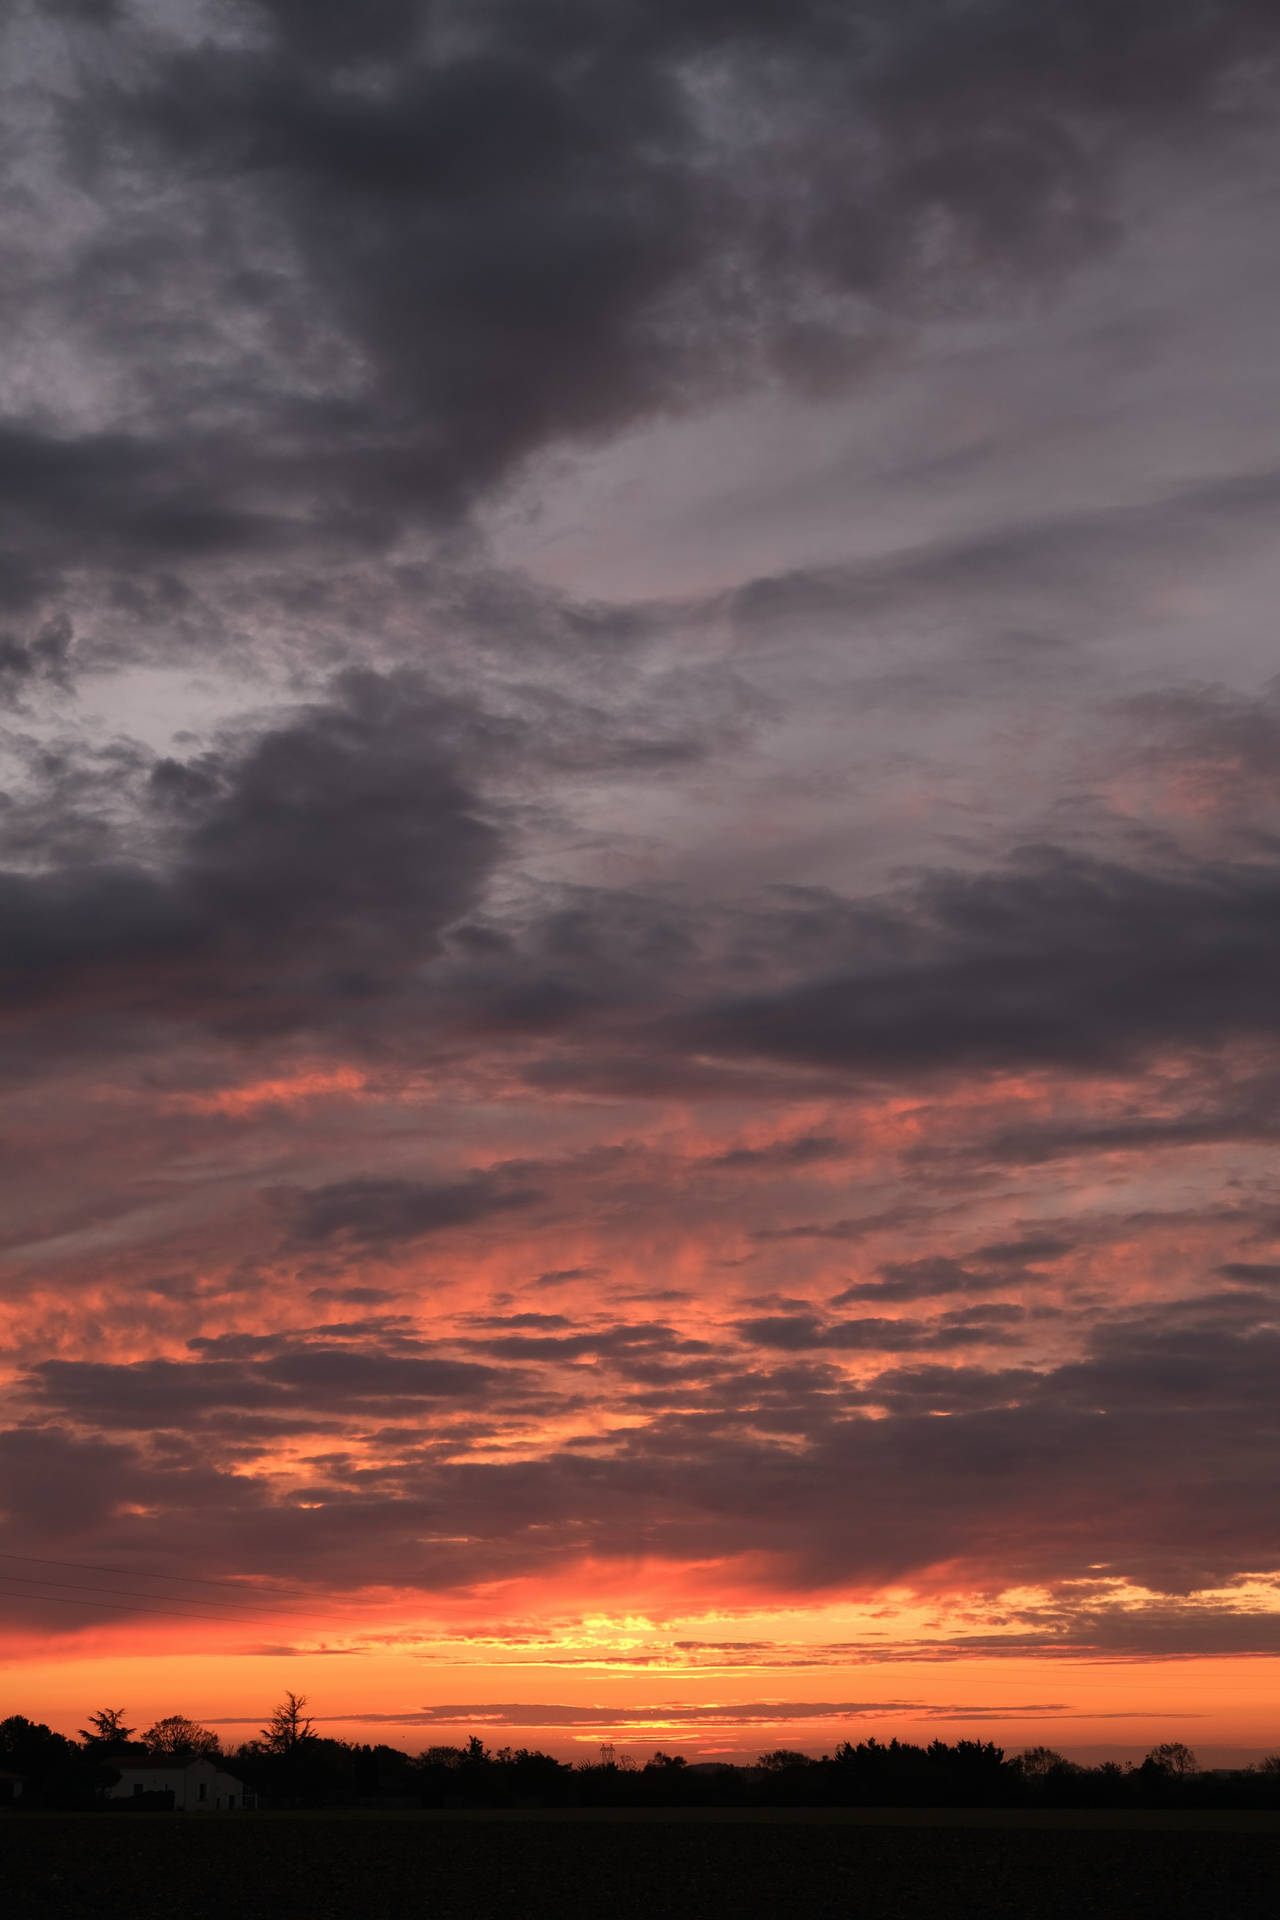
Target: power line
x=127 y=1593
x=135 y=1573
x=61 y=1600
x=194 y=1579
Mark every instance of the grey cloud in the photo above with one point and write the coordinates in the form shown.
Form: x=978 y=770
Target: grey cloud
x=1153 y=1630
x=344 y=829
x=996 y=1313
x=847 y=1229
x=1078 y=1624
x=502 y=1322
x=1226 y=740
x=1026 y=567
x=805 y=1150
x=59 y=1487
x=305 y=875
x=614 y=1342
x=798 y=1332
x=45 y=660
x=744 y=1713
x=528 y=224
x=1155 y=1370
x=147 y=1394
x=923 y=1279
x=1244 y=1113
x=941 y=1389
x=1032 y=1475
x=353 y=1296
x=1055 y=958
x=92 y=12
x=304 y=287
x=379 y=1213
x=113 y=498
x=1031 y=1249
x=1058 y=959
x=1000 y=1264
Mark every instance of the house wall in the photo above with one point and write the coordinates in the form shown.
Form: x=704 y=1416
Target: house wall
x=199 y=1788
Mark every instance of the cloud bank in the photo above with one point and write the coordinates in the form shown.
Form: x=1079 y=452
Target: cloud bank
x=639 y=860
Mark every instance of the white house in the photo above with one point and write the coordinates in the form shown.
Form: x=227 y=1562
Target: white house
x=198 y=1787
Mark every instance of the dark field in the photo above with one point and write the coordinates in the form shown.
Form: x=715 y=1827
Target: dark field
x=362 y=1867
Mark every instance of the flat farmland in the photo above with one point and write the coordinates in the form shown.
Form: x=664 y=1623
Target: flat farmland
x=869 y=1866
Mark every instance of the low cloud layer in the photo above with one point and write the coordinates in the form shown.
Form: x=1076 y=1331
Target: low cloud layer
x=1003 y=1473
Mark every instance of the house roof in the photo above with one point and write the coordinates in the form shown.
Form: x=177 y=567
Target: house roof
x=165 y=1763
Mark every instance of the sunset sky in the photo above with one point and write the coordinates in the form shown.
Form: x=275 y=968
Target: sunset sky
x=640 y=869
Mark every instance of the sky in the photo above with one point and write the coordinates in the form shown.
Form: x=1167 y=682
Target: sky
x=640 y=870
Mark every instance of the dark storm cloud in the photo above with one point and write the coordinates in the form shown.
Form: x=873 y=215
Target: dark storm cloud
x=455 y=236
x=290 y=883
x=1058 y=959
x=42 y=660
x=1055 y=958
x=115 y=499
x=308 y=880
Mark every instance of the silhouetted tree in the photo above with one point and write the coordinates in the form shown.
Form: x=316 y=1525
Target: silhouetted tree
x=178 y=1738
x=54 y=1768
x=106 y=1730
x=1037 y=1762
x=1173 y=1758
x=292 y=1765
x=289 y=1726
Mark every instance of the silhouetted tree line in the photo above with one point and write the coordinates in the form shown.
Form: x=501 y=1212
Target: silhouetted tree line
x=290 y=1765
